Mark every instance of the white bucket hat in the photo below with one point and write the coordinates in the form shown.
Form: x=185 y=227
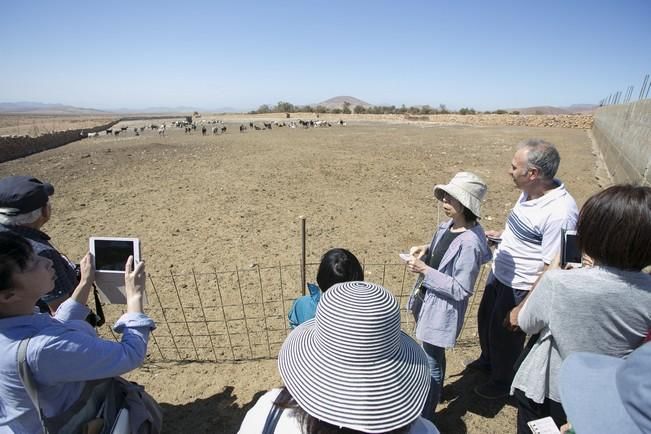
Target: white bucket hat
x=468 y=188
x=352 y=366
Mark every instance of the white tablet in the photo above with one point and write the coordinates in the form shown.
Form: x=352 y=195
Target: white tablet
x=110 y=255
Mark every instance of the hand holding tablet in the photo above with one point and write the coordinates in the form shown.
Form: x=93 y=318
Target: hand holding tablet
x=110 y=255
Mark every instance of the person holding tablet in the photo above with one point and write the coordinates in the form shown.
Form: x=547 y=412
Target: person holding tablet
x=63 y=352
x=603 y=309
x=448 y=268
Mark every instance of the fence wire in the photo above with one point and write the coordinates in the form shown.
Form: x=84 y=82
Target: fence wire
x=227 y=316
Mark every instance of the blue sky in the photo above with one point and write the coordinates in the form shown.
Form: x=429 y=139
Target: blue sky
x=211 y=54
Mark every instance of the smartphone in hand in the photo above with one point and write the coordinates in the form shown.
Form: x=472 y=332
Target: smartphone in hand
x=570 y=252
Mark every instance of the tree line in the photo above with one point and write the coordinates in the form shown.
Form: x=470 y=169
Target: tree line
x=286 y=107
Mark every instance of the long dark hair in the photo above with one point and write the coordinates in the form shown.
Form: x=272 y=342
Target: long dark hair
x=312 y=425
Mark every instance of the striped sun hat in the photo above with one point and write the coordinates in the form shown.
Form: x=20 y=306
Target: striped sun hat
x=352 y=366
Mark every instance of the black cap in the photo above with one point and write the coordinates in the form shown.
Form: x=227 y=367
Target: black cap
x=23 y=194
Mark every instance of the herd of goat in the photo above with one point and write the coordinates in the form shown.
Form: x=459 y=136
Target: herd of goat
x=205 y=126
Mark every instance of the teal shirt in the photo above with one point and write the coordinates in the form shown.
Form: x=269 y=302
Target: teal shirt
x=304 y=308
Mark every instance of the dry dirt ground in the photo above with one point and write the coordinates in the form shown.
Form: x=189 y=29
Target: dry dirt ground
x=219 y=202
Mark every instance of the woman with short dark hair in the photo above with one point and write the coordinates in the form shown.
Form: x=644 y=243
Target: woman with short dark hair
x=337 y=266
x=605 y=309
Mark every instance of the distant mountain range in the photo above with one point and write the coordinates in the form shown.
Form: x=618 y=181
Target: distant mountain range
x=36 y=108
x=338 y=102
x=46 y=109
x=178 y=109
x=551 y=110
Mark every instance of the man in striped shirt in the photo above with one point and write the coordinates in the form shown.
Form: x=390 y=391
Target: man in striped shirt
x=529 y=243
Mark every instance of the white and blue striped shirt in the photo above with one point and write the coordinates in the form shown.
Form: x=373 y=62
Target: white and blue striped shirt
x=532 y=236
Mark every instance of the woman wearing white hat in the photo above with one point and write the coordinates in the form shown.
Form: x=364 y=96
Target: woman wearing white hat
x=448 y=268
x=349 y=370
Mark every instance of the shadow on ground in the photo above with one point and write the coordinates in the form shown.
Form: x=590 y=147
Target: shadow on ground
x=459 y=399
x=219 y=413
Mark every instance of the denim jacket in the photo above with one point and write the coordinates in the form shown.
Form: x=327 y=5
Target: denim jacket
x=448 y=288
x=304 y=307
x=63 y=353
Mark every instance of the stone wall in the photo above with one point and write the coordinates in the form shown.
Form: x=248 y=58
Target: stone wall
x=623 y=135
x=13 y=147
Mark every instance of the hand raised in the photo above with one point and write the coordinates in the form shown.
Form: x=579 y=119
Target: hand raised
x=134 y=281
x=87 y=269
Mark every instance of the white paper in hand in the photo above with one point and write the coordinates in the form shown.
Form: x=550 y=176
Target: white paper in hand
x=545 y=425
x=406 y=257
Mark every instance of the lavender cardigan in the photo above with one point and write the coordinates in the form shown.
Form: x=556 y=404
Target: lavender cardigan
x=447 y=290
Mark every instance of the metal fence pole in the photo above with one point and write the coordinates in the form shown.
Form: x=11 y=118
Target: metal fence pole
x=282 y=294
x=167 y=323
x=644 y=83
x=203 y=313
x=264 y=312
x=303 y=255
x=185 y=319
x=246 y=322
x=221 y=303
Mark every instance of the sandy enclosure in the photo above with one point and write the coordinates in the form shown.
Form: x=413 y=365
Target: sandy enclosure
x=220 y=202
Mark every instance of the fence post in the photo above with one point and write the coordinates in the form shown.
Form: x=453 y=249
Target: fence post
x=303 y=255
x=644 y=83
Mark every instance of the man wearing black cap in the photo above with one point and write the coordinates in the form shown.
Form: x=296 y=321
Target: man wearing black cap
x=24 y=209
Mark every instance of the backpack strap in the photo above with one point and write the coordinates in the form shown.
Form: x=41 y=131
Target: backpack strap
x=27 y=379
x=272 y=419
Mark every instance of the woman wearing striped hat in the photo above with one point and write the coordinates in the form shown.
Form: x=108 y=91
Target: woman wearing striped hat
x=448 y=268
x=349 y=370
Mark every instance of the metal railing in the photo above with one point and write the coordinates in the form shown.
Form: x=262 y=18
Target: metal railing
x=241 y=314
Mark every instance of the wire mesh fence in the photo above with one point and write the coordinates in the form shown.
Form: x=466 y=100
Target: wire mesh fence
x=241 y=314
